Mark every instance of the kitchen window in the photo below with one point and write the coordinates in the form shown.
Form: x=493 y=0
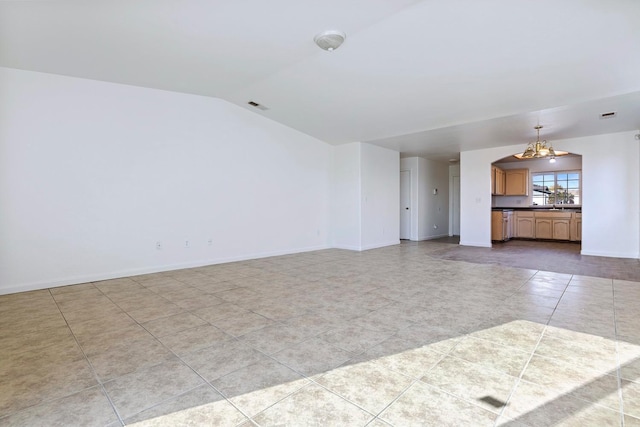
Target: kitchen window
x=556 y=188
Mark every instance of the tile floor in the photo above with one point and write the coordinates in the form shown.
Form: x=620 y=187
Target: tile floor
x=396 y=336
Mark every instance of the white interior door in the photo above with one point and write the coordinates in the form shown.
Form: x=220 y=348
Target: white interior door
x=456 y=206
x=405 y=204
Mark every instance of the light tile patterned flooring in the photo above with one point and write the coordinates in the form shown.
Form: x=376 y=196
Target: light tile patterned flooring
x=392 y=336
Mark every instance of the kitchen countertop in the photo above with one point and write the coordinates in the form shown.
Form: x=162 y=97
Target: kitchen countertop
x=535 y=208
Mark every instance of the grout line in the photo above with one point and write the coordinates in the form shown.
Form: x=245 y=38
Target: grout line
x=86 y=358
x=558 y=303
x=618 y=360
x=190 y=390
x=519 y=378
x=311 y=267
x=415 y=381
x=533 y=352
x=150 y=366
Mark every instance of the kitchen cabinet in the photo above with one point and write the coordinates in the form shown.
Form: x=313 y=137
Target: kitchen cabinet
x=496 y=226
x=497 y=181
x=544 y=228
x=493 y=180
x=524 y=225
x=560 y=229
x=575 y=231
x=501 y=225
x=553 y=225
x=516 y=182
x=536 y=224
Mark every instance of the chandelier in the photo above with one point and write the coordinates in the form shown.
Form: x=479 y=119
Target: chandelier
x=540 y=149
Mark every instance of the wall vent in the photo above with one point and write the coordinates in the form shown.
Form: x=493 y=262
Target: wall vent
x=258 y=106
x=608 y=115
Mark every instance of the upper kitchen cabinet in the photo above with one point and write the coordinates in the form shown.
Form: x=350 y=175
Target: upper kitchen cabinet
x=516 y=182
x=497 y=181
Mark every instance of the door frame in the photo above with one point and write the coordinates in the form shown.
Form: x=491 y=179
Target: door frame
x=410 y=225
x=452 y=205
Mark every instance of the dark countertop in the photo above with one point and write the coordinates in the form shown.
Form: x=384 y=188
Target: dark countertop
x=536 y=208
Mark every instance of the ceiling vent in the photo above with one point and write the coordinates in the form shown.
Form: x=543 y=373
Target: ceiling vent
x=608 y=115
x=258 y=106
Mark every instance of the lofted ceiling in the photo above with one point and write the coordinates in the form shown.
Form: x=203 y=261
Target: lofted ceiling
x=427 y=78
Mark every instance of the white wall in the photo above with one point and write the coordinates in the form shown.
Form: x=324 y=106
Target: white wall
x=611 y=193
x=345 y=197
x=93 y=174
x=454 y=172
x=380 y=196
x=411 y=164
x=428 y=209
x=434 y=208
x=365 y=197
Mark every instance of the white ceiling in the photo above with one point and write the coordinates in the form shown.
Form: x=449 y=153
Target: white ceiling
x=427 y=78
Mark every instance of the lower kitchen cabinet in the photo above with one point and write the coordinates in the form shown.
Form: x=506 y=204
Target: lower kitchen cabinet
x=501 y=225
x=524 y=225
x=543 y=224
x=575 y=229
x=561 y=229
x=544 y=228
x=553 y=225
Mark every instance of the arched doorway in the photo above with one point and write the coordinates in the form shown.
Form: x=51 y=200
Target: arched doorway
x=537 y=200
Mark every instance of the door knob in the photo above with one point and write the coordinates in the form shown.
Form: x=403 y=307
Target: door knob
x=407 y=208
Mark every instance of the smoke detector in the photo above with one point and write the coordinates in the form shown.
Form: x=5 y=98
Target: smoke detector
x=330 y=40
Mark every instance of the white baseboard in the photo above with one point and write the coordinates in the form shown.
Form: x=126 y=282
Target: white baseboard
x=380 y=245
x=438 y=236
x=75 y=280
x=476 y=244
x=611 y=254
x=368 y=247
x=347 y=247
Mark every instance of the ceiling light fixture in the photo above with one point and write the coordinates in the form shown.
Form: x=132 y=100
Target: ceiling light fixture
x=330 y=40
x=540 y=149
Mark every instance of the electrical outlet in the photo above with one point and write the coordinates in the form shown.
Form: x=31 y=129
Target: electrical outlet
x=186 y=243
x=158 y=245
x=210 y=241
